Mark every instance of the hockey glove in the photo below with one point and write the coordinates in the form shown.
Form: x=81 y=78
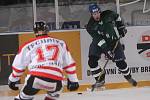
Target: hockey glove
x=72 y=86
x=122 y=31
x=109 y=55
x=121 y=28
x=12 y=85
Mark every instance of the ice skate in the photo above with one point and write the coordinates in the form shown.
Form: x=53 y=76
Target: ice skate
x=16 y=99
x=98 y=85
x=131 y=80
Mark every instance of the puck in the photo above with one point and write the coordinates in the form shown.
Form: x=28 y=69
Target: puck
x=79 y=93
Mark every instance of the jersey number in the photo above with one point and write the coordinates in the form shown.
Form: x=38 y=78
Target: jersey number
x=51 y=49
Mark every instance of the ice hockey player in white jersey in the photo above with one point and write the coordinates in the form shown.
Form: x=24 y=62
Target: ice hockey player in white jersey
x=45 y=58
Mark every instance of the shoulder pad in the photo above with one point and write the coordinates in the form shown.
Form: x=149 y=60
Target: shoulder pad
x=109 y=15
x=107 y=12
x=90 y=23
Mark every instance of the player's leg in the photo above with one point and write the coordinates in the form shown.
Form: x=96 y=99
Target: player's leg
x=54 y=94
x=122 y=65
x=95 y=68
x=27 y=92
x=94 y=56
x=124 y=69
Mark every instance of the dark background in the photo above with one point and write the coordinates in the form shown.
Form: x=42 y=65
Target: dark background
x=8 y=45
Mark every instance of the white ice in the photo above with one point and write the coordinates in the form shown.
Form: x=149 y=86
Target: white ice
x=142 y=93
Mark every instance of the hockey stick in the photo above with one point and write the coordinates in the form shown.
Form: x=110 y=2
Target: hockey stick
x=103 y=70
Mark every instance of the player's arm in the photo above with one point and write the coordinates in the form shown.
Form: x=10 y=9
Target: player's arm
x=114 y=18
x=18 y=67
x=97 y=38
x=93 y=32
x=120 y=25
x=70 y=69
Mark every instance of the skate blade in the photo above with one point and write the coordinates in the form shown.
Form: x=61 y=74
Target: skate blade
x=102 y=88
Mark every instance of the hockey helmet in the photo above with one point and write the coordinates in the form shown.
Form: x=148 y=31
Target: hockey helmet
x=94 y=8
x=40 y=26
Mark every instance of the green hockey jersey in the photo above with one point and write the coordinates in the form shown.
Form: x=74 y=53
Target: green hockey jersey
x=104 y=32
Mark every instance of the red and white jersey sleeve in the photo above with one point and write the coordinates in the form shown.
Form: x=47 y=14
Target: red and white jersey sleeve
x=20 y=62
x=46 y=57
x=70 y=65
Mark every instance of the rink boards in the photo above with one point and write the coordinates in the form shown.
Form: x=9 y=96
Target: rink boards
x=137 y=51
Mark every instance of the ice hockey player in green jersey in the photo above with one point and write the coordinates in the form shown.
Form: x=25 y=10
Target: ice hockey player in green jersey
x=105 y=28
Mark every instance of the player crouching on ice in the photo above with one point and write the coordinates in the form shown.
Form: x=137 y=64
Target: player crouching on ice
x=103 y=28
x=45 y=58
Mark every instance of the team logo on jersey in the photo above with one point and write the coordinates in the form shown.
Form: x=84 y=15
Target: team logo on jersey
x=143 y=46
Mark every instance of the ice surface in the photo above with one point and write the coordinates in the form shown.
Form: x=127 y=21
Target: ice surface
x=142 y=93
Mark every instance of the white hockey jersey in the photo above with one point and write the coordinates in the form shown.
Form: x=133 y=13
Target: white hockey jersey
x=46 y=57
